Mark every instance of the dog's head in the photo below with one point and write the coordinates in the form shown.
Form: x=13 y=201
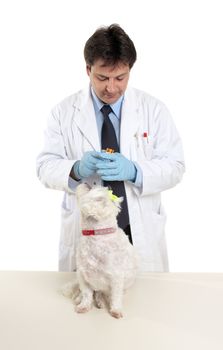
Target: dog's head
x=96 y=203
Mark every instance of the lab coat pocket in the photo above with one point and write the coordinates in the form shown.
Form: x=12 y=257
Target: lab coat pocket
x=148 y=151
x=159 y=222
x=144 y=147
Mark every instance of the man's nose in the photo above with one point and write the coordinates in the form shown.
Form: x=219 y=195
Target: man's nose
x=110 y=85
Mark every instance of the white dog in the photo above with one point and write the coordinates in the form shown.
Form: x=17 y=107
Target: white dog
x=106 y=261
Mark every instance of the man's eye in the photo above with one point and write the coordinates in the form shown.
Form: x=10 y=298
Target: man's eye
x=102 y=78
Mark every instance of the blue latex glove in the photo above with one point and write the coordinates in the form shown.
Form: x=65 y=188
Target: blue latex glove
x=115 y=167
x=87 y=165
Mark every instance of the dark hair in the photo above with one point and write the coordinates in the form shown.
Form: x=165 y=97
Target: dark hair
x=110 y=44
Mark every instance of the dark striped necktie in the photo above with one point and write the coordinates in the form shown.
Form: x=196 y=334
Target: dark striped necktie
x=109 y=140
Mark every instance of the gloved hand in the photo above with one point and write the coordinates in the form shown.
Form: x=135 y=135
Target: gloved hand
x=87 y=165
x=115 y=167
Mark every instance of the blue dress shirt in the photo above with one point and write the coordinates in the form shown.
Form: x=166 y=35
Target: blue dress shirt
x=115 y=118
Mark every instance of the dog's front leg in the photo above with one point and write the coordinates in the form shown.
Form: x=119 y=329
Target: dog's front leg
x=116 y=297
x=86 y=296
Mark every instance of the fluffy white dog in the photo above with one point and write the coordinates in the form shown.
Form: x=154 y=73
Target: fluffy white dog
x=106 y=261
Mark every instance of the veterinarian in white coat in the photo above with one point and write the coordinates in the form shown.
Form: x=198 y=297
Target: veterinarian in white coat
x=147 y=136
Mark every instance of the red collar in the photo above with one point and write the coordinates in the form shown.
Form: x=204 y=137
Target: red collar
x=100 y=231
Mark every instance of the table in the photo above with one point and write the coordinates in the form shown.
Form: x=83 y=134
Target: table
x=161 y=311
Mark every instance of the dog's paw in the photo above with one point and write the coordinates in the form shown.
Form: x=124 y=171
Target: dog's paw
x=77 y=299
x=116 y=313
x=99 y=300
x=81 y=309
x=100 y=304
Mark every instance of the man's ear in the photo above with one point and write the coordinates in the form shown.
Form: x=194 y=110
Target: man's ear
x=88 y=69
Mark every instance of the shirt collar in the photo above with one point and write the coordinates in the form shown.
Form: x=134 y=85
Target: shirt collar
x=116 y=107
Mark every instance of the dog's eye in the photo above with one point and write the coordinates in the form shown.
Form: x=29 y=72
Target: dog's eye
x=99 y=199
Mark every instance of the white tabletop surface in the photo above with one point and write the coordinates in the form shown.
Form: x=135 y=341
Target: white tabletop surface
x=161 y=311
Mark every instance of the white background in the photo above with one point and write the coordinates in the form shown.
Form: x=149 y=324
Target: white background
x=179 y=46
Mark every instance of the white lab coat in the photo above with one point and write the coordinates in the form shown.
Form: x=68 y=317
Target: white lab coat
x=72 y=130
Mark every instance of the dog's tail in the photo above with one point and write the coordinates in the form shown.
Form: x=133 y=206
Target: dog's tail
x=70 y=290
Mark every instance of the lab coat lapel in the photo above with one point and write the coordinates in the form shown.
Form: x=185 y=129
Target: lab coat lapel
x=85 y=119
x=129 y=121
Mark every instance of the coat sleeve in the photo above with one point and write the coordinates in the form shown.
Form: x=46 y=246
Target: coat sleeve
x=53 y=165
x=165 y=167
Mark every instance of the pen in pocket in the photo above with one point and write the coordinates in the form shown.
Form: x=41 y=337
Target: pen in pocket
x=145 y=136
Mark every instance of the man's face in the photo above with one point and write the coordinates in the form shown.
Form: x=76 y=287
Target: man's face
x=108 y=82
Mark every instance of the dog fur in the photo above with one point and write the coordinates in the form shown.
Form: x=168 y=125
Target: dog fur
x=106 y=263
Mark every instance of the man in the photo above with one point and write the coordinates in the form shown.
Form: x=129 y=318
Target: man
x=147 y=158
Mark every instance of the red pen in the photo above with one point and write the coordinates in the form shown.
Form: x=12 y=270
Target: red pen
x=145 y=135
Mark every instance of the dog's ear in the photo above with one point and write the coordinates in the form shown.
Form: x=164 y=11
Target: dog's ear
x=82 y=189
x=117 y=202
